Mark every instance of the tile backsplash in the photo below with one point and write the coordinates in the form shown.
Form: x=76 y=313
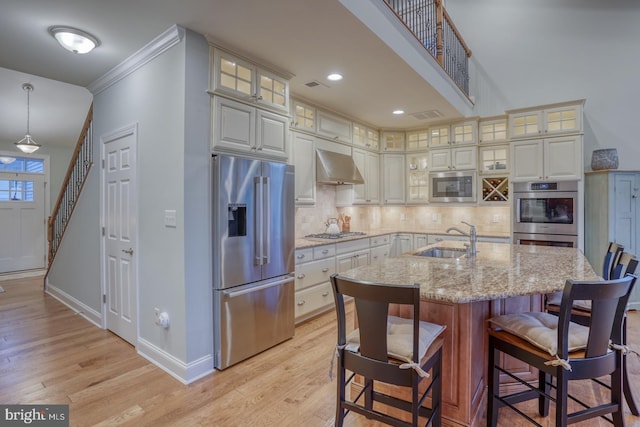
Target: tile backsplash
x=488 y=219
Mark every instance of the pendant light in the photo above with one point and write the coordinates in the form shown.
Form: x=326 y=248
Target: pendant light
x=27 y=144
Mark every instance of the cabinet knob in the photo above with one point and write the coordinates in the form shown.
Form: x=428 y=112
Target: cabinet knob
x=301 y=302
x=300 y=256
x=301 y=276
x=324 y=294
x=635 y=196
x=325 y=251
x=324 y=270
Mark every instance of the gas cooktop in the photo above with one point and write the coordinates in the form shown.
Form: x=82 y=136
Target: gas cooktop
x=335 y=235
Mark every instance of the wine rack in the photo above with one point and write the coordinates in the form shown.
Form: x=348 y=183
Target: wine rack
x=495 y=189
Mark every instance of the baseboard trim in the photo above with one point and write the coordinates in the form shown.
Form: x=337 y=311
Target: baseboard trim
x=78 y=307
x=186 y=373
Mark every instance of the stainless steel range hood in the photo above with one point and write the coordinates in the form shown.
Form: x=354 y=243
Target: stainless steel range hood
x=336 y=168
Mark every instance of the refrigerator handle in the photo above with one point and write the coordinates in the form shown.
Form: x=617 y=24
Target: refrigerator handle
x=257 y=219
x=233 y=294
x=267 y=221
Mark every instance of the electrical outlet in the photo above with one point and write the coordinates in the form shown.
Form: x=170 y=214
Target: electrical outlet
x=434 y=217
x=495 y=218
x=403 y=217
x=156 y=312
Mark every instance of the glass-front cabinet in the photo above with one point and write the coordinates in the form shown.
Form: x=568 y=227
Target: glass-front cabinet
x=417 y=140
x=304 y=117
x=493 y=159
x=555 y=119
x=492 y=130
x=417 y=178
x=393 y=141
x=249 y=82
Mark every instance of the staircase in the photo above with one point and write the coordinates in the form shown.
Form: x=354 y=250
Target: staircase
x=79 y=166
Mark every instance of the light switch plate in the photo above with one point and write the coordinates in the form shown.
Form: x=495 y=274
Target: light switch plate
x=170 y=218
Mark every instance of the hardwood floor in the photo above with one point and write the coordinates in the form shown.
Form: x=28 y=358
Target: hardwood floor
x=50 y=355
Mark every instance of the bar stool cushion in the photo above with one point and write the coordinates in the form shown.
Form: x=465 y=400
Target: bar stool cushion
x=556 y=299
x=400 y=338
x=541 y=330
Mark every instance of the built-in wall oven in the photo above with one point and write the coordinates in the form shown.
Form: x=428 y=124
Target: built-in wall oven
x=546 y=213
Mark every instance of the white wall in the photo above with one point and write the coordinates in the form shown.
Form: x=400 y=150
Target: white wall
x=537 y=52
x=168 y=101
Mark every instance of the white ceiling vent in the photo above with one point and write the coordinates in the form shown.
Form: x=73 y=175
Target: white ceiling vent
x=427 y=115
x=315 y=83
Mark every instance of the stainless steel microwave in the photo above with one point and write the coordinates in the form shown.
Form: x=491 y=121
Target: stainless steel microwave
x=452 y=186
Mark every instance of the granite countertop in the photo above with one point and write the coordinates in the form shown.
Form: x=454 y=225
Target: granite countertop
x=308 y=242
x=498 y=270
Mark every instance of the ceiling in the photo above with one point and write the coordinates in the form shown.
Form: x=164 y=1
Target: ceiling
x=306 y=38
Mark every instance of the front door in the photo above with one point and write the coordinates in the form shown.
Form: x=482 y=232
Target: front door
x=22 y=221
x=120 y=214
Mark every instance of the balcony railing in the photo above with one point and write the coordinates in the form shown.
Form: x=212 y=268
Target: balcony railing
x=432 y=26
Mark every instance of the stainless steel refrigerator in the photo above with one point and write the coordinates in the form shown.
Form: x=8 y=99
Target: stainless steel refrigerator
x=253 y=256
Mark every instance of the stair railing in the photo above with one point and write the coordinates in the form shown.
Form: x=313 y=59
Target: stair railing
x=79 y=167
x=433 y=27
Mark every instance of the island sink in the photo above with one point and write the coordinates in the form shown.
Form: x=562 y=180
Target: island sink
x=439 y=252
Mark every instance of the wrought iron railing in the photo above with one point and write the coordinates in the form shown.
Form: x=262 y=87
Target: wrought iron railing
x=79 y=167
x=431 y=25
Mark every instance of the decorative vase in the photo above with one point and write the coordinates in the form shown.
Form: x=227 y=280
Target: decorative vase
x=606 y=158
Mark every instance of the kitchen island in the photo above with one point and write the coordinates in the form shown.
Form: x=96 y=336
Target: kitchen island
x=462 y=293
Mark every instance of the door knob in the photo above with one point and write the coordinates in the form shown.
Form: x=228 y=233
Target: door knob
x=129 y=251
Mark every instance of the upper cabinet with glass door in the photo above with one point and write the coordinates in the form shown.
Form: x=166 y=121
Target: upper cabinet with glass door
x=554 y=119
x=249 y=82
x=304 y=117
x=492 y=130
x=365 y=137
x=393 y=141
x=461 y=133
x=417 y=140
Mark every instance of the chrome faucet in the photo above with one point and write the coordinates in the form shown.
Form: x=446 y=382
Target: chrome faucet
x=473 y=236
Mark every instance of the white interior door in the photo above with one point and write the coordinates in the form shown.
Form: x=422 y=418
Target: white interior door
x=22 y=222
x=120 y=214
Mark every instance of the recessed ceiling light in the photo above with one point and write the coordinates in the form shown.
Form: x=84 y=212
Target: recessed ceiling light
x=398 y=112
x=334 y=77
x=73 y=39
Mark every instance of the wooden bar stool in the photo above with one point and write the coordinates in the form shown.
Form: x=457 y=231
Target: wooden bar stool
x=387 y=349
x=565 y=350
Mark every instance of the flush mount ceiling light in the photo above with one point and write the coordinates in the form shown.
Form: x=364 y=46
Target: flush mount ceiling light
x=398 y=112
x=334 y=77
x=26 y=144
x=73 y=39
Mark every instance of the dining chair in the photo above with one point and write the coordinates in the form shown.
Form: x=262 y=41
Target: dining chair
x=387 y=350
x=564 y=350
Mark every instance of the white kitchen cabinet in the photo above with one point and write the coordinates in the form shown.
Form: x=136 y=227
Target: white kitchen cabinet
x=612 y=214
x=461 y=133
x=352 y=254
x=401 y=243
x=420 y=240
x=453 y=159
x=242 y=128
x=249 y=82
x=393 y=179
x=417 y=140
x=555 y=119
x=304 y=159
x=365 y=137
x=333 y=127
x=417 y=178
x=393 y=141
x=558 y=158
x=380 y=248
x=314 y=267
x=368 y=163
x=493 y=159
x=304 y=117
x=492 y=130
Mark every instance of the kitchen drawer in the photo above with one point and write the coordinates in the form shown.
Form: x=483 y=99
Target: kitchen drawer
x=379 y=253
x=380 y=240
x=304 y=255
x=314 y=272
x=313 y=299
x=324 y=251
x=352 y=245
